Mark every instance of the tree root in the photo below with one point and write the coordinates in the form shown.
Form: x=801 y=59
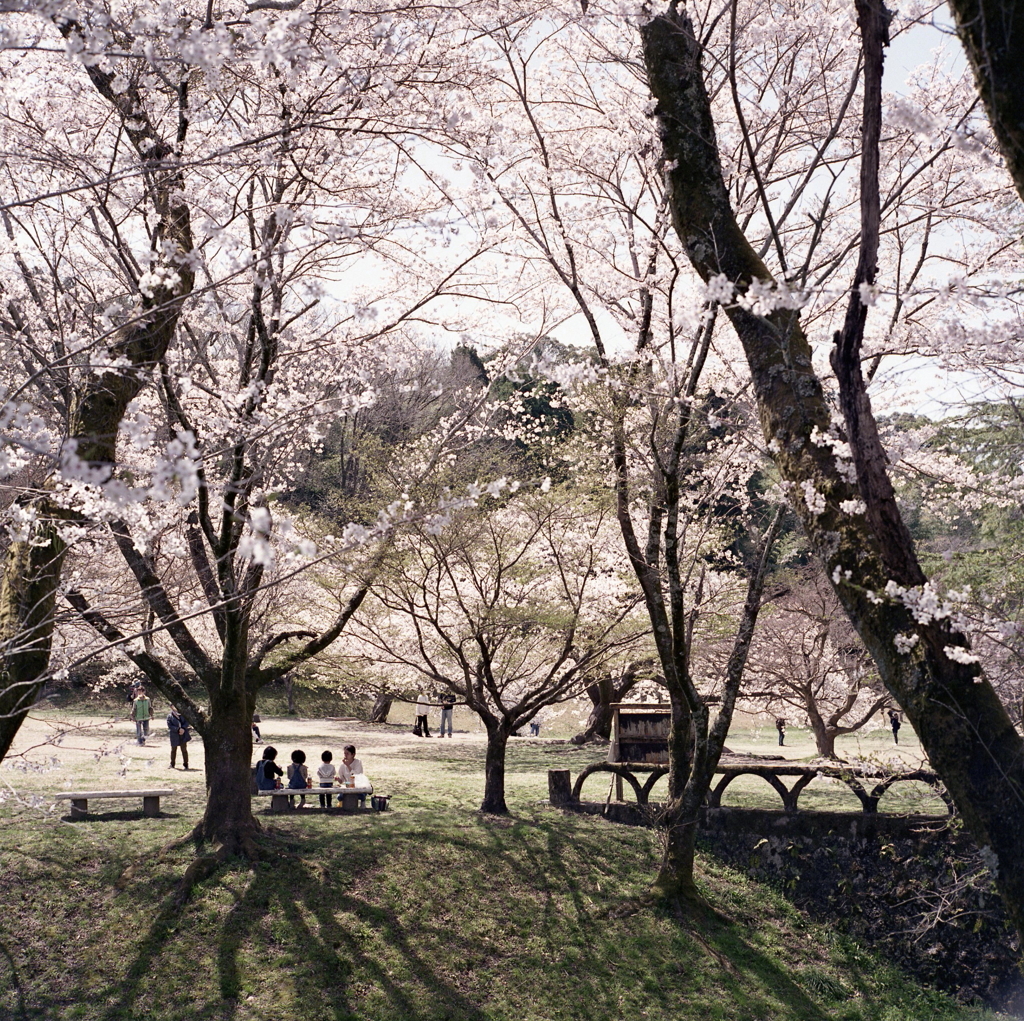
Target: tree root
x=202 y=868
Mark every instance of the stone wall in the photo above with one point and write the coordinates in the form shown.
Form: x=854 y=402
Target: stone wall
x=912 y=887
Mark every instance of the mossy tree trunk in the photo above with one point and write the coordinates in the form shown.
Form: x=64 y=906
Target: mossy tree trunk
x=964 y=729
x=227 y=741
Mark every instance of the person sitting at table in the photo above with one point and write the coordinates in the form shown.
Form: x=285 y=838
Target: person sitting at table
x=351 y=769
x=298 y=776
x=267 y=770
x=326 y=772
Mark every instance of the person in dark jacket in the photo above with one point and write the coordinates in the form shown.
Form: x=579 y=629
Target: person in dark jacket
x=895 y=723
x=180 y=735
x=267 y=770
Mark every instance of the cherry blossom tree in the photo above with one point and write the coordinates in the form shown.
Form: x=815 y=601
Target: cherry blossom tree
x=564 y=144
x=510 y=611
x=806 y=659
x=217 y=226
x=839 y=482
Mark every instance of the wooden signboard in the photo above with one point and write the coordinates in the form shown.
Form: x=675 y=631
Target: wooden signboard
x=640 y=734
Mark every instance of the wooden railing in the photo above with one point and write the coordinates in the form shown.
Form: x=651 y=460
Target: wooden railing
x=868 y=785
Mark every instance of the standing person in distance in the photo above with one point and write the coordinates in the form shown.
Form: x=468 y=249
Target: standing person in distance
x=141 y=708
x=256 y=721
x=422 y=708
x=780 y=726
x=447 y=706
x=179 y=732
x=894 y=722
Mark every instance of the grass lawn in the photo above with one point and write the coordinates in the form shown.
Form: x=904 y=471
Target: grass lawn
x=429 y=911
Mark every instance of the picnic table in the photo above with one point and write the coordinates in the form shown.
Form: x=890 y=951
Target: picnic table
x=80 y=800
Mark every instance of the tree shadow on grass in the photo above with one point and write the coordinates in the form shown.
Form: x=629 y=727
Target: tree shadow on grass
x=15 y=979
x=335 y=924
x=750 y=975
x=124 y=816
x=312 y=951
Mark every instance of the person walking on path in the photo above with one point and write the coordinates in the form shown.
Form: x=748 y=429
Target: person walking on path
x=447 y=705
x=180 y=735
x=894 y=722
x=422 y=708
x=141 y=708
x=780 y=726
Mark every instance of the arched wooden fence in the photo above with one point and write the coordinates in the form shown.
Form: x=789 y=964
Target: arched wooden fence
x=859 y=780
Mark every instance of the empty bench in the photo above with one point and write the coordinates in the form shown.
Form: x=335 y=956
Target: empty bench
x=80 y=800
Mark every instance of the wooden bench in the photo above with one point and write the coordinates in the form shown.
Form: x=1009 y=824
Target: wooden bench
x=278 y=799
x=80 y=800
x=347 y=796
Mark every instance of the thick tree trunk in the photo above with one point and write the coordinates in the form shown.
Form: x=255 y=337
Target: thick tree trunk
x=381 y=708
x=992 y=33
x=603 y=693
x=28 y=592
x=599 y=723
x=824 y=738
x=31 y=577
x=228 y=819
x=494 y=769
x=675 y=878
x=964 y=729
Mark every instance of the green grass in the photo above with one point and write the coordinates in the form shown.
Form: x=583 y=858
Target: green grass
x=430 y=911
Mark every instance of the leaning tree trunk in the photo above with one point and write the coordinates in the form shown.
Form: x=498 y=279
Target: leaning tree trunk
x=604 y=692
x=992 y=33
x=599 y=724
x=966 y=732
x=381 y=708
x=494 y=768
